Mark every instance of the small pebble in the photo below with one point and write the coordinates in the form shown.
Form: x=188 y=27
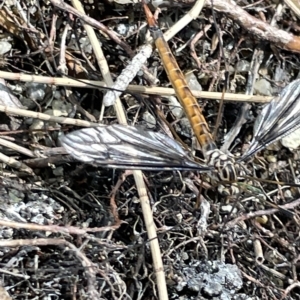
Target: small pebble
x=292 y=141
x=4 y=47
x=263 y=87
x=193 y=81
x=228 y=209
x=242 y=66
x=149 y=119
x=271 y=159
x=175 y=107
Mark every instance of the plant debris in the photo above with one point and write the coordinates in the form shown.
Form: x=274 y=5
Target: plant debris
x=70 y=230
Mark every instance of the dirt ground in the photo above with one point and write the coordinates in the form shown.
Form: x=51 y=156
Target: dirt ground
x=75 y=224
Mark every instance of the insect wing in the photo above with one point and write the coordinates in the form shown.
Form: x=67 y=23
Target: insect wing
x=119 y=146
x=278 y=118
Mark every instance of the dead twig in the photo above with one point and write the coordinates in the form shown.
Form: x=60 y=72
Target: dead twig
x=257 y=27
x=152 y=90
x=57 y=229
x=258 y=213
x=149 y=222
x=45 y=117
x=15 y=164
x=90 y=269
x=81 y=15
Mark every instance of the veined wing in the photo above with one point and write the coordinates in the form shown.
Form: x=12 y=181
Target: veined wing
x=278 y=118
x=129 y=147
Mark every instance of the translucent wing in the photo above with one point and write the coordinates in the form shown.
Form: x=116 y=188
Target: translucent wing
x=129 y=147
x=278 y=118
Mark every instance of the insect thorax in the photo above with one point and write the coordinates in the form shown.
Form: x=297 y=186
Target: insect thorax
x=226 y=169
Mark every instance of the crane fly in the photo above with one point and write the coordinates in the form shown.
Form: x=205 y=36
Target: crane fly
x=129 y=147
x=224 y=163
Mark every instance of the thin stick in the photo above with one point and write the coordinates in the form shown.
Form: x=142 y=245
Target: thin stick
x=16 y=147
x=89 y=268
x=31 y=114
x=257 y=27
x=138 y=176
x=91 y=84
x=15 y=164
x=294 y=6
x=191 y=15
x=88 y=20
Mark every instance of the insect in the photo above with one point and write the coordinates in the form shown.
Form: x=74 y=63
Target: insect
x=224 y=164
x=130 y=147
x=118 y=146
